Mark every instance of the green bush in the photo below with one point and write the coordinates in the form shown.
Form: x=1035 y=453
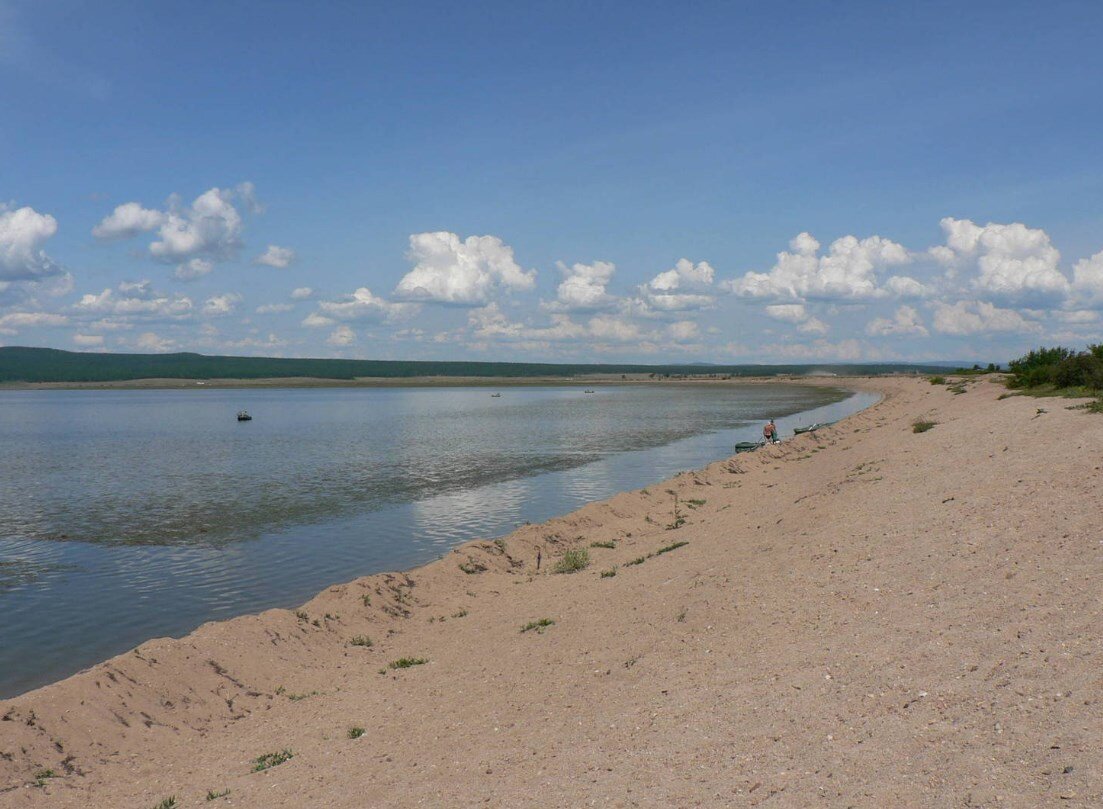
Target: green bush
x=1059 y=367
x=573 y=561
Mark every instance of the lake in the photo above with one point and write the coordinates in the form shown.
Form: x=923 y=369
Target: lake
x=132 y=514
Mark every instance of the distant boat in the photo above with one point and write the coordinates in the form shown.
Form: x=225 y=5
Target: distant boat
x=243 y=415
x=587 y=391
x=748 y=446
x=495 y=396
x=812 y=427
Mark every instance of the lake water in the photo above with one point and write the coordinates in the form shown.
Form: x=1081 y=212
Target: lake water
x=127 y=515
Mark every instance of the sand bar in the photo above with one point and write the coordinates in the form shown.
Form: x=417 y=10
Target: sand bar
x=864 y=616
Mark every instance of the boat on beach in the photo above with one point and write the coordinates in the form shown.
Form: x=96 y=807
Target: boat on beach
x=811 y=428
x=243 y=415
x=748 y=446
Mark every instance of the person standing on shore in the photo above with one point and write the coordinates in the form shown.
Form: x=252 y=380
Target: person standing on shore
x=769 y=433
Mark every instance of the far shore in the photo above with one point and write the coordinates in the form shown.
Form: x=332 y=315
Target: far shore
x=424 y=382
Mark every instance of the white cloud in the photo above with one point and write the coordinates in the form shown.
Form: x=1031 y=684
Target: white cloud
x=127 y=221
x=799 y=315
x=220 y=305
x=88 y=340
x=846 y=272
x=1077 y=316
x=685 y=287
x=583 y=287
x=152 y=342
x=134 y=299
x=362 y=305
x=979 y=317
x=302 y=293
x=903 y=286
x=12 y=322
x=275 y=256
x=683 y=331
x=23 y=231
x=448 y=270
x=1014 y=262
x=607 y=327
x=341 y=336
x=193 y=237
x=1087 y=277
x=274 y=308
x=906 y=320
x=316 y=321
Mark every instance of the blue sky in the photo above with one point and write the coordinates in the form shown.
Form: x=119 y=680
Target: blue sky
x=552 y=181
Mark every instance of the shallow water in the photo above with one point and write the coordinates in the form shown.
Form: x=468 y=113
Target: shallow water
x=126 y=515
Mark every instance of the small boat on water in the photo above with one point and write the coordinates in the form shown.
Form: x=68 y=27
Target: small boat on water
x=587 y=391
x=748 y=446
x=495 y=396
x=243 y=415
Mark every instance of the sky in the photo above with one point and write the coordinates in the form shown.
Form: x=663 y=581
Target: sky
x=645 y=182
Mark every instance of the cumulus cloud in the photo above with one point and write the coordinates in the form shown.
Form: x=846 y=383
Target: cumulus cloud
x=797 y=314
x=152 y=342
x=464 y=272
x=361 y=305
x=1014 y=262
x=135 y=299
x=979 y=317
x=192 y=237
x=88 y=340
x=275 y=256
x=905 y=321
x=848 y=271
x=274 y=308
x=127 y=221
x=13 y=322
x=302 y=293
x=490 y=322
x=23 y=231
x=685 y=287
x=583 y=287
x=220 y=305
x=341 y=336
x=1087 y=277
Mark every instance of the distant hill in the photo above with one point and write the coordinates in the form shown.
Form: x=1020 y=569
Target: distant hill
x=22 y=364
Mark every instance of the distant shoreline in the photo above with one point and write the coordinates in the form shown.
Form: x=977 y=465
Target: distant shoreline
x=418 y=382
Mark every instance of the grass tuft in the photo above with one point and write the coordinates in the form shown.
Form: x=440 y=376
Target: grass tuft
x=573 y=561
x=360 y=640
x=167 y=803
x=407 y=662
x=608 y=574
x=356 y=732
x=606 y=544
x=539 y=626
x=302 y=616
x=214 y=796
x=922 y=426
x=937 y=380
x=673 y=546
x=270 y=760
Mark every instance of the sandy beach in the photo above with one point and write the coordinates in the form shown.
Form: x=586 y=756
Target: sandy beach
x=863 y=616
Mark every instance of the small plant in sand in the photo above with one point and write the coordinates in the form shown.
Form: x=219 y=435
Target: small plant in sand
x=606 y=544
x=500 y=544
x=356 y=732
x=608 y=574
x=302 y=616
x=300 y=697
x=460 y=614
x=214 y=796
x=922 y=426
x=41 y=776
x=167 y=803
x=639 y=560
x=539 y=626
x=681 y=616
x=679 y=520
x=573 y=561
x=270 y=760
x=695 y=503
x=407 y=662
x=360 y=640
x=471 y=567
x=937 y=380
x=366 y=599
x=673 y=546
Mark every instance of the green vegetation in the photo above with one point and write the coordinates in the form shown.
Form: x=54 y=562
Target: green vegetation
x=302 y=616
x=360 y=640
x=539 y=626
x=695 y=502
x=214 y=796
x=573 y=561
x=922 y=426
x=41 y=776
x=167 y=803
x=673 y=546
x=270 y=760
x=306 y=695
x=460 y=614
x=937 y=380
x=23 y=364
x=1059 y=370
x=606 y=544
x=471 y=567
x=356 y=732
x=407 y=662
x=366 y=599
x=608 y=574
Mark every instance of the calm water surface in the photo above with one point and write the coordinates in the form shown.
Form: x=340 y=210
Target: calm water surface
x=126 y=515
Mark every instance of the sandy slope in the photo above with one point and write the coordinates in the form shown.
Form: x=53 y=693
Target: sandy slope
x=862 y=617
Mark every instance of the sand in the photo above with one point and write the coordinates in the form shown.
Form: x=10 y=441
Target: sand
x=864 y=616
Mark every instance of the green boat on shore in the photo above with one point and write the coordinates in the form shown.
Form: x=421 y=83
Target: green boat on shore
x=811 y=428
x=748 y=446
